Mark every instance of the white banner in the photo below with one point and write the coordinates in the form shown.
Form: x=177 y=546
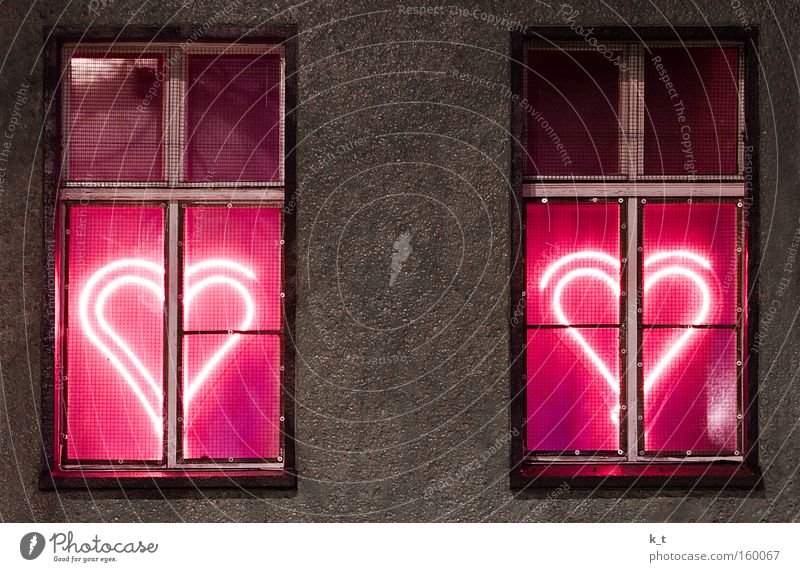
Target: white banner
x=378 y=547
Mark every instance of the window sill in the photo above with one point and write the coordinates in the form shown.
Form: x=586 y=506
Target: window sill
x=124 y=480
x=650 y=475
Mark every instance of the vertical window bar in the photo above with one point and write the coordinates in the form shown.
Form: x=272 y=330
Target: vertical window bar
x=740 y=114
x=173 y=359
x=175 y=122
x=632 y=330
x=637 y=111
x=626 y=96
x=66 y=83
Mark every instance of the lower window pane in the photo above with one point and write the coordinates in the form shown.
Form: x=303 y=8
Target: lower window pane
x=573 y=389
x=231 y=396
x=115 y=333
x=690 y=390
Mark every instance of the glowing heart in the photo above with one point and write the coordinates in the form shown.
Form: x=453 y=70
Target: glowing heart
x=153 y=405
x=702 y=314
x=601 y=258
x=83 y=305
x=191 y=293
x=611 y=282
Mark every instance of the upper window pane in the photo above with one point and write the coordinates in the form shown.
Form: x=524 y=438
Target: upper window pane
x=572 y=120
x=115 y=105
x=232 y=269
x=573 y=263
x=691 y=264
x=691 y=111
x=233 y=112
x=115 y=333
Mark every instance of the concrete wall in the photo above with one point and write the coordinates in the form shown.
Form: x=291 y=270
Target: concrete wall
x=399 y=386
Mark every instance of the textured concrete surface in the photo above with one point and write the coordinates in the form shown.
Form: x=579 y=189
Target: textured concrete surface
x=398 y=387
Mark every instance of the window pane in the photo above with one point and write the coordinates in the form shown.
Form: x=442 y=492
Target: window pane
x=691 y=111
x=573 y=263
x=233 y=118
x=691 y=267
x=231 y=383
x=573 y=394
x=231 y=396
x=572 y=120
x=232 y=268
x=690 y=390
x=115 y=333
x=115 y=130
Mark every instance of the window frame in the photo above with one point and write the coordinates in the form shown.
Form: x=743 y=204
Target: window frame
x=638 y=469
x=172 y=195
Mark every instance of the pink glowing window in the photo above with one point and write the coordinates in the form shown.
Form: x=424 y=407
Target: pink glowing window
x=691 y=267
x=114 y=355
x=572 y=116
x=115 y=389
x=233 y=117
x=115 y=105
x=691 y=111
x=231 y=332
x=629 y=311
x=573 y=316
x=169 y=266
x=686 y=331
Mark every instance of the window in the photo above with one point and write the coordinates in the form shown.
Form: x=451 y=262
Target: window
x=170 y=358
x=630 y=314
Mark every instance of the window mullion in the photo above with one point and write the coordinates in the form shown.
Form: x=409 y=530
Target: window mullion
x=636 y=112
x=173 y=359
x=176 y=90
x=632 y=327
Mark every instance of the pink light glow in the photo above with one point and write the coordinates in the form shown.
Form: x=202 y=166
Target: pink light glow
x=232 y=287
x=691 y=278
x=114 y=333
x=191 y=293
x=115 y=338
x=573 y=266
x=613 y=285
x=705 y=293
x=153 y=408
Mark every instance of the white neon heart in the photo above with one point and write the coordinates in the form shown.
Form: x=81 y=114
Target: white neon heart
x=83 y=308
x=157 y=289
x=613 y=284
x=702 y=314
x=192 y=292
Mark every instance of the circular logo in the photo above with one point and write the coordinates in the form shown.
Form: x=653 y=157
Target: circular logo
x=31 y=545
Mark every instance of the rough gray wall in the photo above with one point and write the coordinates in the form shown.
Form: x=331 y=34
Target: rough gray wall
x=398 y=386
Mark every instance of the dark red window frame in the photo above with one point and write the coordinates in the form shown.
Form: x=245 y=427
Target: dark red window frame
x=597 y=468
x=178 y=195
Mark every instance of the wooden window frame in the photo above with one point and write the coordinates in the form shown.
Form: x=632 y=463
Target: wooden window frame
x=172 y=194
x=633 y=469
